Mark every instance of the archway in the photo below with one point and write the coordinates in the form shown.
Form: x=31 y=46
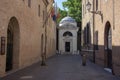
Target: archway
x=68 y=41
x=88 y=35
x=108 y=45
x=12 y=55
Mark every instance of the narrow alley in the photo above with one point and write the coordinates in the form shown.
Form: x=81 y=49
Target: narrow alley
x=62 y=67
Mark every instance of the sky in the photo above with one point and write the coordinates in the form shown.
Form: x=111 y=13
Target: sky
x=59 y=3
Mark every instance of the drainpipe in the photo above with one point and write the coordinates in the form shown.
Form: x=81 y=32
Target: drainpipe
x=93 y=31
x=113 y=15
x=43 y=63
x=113 y=29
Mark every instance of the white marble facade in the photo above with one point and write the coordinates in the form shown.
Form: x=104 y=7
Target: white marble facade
x=68 y=36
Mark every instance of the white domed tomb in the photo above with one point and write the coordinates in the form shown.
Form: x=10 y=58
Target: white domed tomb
x=68 y=36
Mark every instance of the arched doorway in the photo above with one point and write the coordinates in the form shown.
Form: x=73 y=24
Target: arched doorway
x=12 y=55
x=108 y=45
x=68 y=41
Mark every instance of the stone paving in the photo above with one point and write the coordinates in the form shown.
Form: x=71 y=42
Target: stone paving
x=62 y=67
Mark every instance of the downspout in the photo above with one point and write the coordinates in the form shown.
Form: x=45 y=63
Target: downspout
x=113 y=29
x=113 y=14
x=93 y=31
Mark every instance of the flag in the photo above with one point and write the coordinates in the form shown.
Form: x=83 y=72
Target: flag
x=54 y=18
x=55 y=12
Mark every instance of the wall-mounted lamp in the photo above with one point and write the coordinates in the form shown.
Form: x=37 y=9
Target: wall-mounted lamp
x=88 y=7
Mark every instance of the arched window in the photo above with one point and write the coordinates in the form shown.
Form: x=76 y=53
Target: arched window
x=96 y=5
x=67 y=34
x=29 y=3
x=39 y=10
x=87 y=34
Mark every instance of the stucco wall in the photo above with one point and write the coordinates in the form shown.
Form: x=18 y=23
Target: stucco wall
x=110 y=10
x=30 y=27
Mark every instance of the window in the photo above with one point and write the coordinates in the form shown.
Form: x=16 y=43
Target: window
x=67 y=34
x=43 y=14
x=38 y=10
x=96 y=40
x=96 y=5
x=87 y=35
x=29 y=3
x=84 y=36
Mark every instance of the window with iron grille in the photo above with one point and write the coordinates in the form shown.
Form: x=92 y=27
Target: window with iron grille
x=29 y=3
x=38 y=10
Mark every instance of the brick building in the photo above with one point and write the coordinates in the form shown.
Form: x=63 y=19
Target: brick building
x=26 y=31
x=100 y=28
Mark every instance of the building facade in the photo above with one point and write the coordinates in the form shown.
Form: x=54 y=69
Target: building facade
x=101 y=32
x=26 y=32
x=50 y=31
x=68 y=36
x=87 y=28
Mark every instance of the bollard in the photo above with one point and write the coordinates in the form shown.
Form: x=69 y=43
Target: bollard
x=84 y=60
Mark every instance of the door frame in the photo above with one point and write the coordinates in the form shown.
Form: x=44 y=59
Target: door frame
x=66 y=45
x=108 y=46
x=13 y=26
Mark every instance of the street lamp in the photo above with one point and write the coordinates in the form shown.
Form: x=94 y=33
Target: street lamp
x=88 y=7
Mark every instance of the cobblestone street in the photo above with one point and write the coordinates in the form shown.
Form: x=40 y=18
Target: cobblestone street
x=62 y=67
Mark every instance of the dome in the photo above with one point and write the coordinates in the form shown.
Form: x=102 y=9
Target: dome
x=68 y=20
